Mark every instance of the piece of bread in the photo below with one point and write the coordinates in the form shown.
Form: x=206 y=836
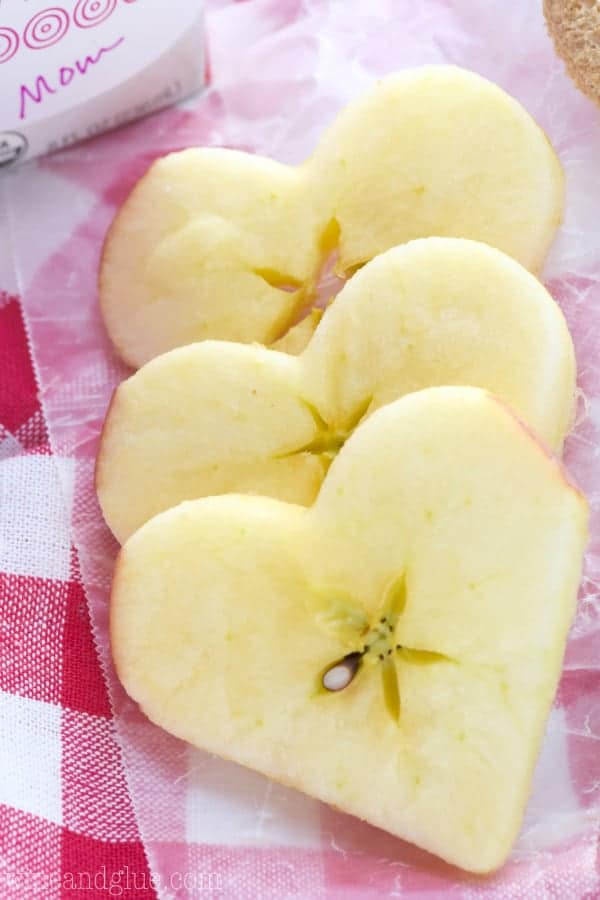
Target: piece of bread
x=574 y=26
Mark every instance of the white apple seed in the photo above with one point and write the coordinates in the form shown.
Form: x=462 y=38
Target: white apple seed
x=341 y=673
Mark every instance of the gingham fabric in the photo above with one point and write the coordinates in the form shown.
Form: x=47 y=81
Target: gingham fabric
x=94 y=800
x=65 y=810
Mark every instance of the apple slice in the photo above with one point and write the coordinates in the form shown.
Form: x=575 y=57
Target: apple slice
x=216 y=243
x=216 y=417
x=210 y=244
x=439 y=151
x=393 y=649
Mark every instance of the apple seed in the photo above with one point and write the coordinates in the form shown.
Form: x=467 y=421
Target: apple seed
x=340 y=674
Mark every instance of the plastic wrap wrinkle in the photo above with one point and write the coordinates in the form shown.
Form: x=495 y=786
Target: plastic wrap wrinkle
x=281 y=70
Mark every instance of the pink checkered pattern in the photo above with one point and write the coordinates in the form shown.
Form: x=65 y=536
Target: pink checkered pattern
x=95 y=801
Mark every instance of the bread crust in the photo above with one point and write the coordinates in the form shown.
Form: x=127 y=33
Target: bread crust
x=574 y=26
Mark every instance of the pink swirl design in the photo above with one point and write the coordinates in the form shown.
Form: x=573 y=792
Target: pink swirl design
x=46 y=28
x=89 y=13
x=9 y=44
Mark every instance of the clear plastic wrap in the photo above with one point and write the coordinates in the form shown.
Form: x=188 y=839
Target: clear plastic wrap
x=281 y=70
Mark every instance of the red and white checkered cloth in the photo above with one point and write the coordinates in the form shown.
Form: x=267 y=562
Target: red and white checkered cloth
x=64 y=804
x=94 y=800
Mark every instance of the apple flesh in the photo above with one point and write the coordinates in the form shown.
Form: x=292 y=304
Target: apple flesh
x=210 y=244
x=217 y=417
x=219 y=244
x=439 y=151
x=444 y=549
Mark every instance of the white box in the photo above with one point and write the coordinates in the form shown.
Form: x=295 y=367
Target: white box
x=73 y=69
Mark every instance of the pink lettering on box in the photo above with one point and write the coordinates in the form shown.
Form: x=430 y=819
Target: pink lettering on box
x=42 y=87
x=82 y=67
x=9 y=43
x=66 y=75
x=46 y=28
x=89 y=13
x=35 y=94
x=77 y=85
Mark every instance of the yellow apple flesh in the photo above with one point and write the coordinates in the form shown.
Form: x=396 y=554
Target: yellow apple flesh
x=217 y=417
x=219 y=244
x=444 y=550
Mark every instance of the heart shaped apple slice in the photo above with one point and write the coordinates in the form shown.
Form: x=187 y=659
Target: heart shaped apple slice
x=393 y=649
x=217 y=417
x=220 y=244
